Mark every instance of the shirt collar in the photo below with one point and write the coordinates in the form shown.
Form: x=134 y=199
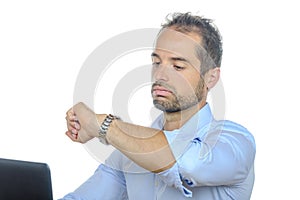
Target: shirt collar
x=201 y=118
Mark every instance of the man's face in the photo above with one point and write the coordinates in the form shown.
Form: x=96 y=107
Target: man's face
x=177 y=84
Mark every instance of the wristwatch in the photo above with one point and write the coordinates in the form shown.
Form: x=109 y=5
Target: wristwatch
x=104 y=127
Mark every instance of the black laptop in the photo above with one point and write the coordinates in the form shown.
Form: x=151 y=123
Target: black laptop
x=23 y=180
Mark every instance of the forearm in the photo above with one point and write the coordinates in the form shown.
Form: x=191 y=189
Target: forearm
x=145 y=146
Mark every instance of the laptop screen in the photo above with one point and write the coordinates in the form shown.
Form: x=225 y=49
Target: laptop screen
x=23 y=180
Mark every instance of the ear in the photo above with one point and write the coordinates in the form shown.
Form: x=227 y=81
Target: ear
x=211 y=77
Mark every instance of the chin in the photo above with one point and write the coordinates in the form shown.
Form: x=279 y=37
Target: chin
x=165 y=106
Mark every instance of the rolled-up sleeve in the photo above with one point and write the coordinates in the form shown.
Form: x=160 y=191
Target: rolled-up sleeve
x=172 y=178
x=226 y=162
x=223 y=155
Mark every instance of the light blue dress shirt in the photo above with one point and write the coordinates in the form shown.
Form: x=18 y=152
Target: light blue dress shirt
x=215 y=161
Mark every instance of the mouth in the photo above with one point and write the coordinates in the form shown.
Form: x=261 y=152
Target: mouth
x=159 y=91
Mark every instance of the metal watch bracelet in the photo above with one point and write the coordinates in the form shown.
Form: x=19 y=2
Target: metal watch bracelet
x=104 y=128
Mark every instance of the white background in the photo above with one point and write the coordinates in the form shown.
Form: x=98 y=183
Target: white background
x=43 y=45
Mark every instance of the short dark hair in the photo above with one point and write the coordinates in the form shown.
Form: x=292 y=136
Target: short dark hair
x=211 y=38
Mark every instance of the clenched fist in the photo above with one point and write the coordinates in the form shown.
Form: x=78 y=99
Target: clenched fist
x=82 y=123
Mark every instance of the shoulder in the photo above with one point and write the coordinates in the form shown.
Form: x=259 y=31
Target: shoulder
x=229 y=129
x=230 y=126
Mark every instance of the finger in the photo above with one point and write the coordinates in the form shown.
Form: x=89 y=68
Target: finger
x=72 y=121
x=73 y=125
x=72 y=136
x=76 y=125
x=70 y=111
x=70 y=115
x=70 y=126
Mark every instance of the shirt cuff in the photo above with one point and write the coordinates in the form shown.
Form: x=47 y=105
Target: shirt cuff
x=171 y=177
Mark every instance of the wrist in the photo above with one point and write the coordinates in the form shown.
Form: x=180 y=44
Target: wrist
x=95 y=124
x=105 y=124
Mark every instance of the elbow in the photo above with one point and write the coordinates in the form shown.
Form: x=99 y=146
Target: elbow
x=218 y=168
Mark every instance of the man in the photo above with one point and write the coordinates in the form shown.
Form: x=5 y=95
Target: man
x=186 y=154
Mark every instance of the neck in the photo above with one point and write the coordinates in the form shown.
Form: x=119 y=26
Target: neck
x=178 y=119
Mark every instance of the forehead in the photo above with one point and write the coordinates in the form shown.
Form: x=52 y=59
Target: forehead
x=172 y=42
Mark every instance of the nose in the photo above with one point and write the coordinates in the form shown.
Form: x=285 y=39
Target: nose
x=160 y=73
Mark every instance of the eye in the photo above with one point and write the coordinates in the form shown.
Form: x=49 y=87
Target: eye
x=155 y=63
x=178 y=68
